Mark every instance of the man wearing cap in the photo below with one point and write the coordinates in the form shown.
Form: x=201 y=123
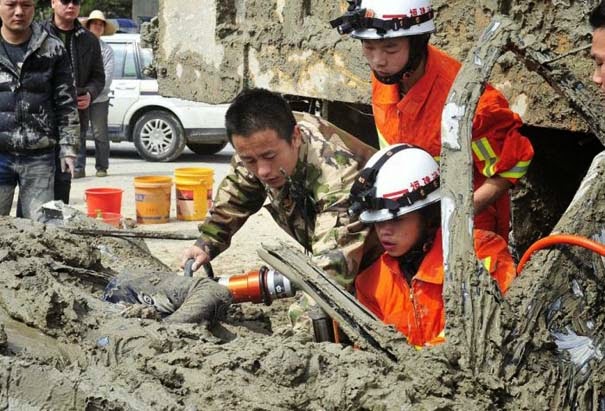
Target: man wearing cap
x=99 y=26
x=87 y=63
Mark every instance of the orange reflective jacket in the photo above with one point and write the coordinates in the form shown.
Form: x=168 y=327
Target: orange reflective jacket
x=418 y=311
x=498 y=147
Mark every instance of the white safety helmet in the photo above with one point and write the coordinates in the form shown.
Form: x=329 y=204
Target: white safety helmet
x=380 y=19
x=396 y=180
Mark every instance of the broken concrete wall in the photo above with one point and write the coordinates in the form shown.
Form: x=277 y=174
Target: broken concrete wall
x=209 y=50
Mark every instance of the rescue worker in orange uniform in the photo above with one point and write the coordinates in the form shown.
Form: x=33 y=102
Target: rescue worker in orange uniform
x=410 y=83
x=398 y=192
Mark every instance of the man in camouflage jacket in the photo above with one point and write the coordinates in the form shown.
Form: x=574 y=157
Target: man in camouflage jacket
x=305 y=170
x=309 y=201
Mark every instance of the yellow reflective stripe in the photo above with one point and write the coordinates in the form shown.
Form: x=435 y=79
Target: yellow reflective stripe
x=517 y=171
x=437 y=159
x=487 y=263
x=483 y=149
x=484 y=152
x=382 y=142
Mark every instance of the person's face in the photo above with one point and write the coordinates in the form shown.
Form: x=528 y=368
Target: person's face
x=399 y=235
x=69 y=11
x=387 y=56
x=598 y=54
x=96 y=27
x=17 y=15
x=268 y=156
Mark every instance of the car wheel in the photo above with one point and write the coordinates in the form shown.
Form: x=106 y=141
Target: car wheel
x=158 y=136
x=206 y=149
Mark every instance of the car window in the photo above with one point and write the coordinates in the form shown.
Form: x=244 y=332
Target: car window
x=124 y=59
x=147 y=60
x=147 y=56
x=130 y=63
x=119 y=53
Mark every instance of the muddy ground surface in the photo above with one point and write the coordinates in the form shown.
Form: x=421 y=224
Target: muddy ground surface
x=59 y=330
x=61 y=347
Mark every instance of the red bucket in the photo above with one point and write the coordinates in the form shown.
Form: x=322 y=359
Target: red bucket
x=103 y=199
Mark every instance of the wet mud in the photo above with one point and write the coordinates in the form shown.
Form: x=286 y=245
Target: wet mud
x=61 y=347
x=59 y=330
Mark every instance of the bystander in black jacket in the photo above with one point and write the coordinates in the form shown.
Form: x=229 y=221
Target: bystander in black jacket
x=37 y=100
x=87 y=63
x=86 y=59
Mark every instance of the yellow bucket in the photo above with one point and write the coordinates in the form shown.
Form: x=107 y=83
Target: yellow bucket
x=193 y=192
x=152 y=197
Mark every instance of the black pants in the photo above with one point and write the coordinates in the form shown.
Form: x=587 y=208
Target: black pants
x=62 y=181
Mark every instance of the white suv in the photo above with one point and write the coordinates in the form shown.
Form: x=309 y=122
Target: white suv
x=160 y=127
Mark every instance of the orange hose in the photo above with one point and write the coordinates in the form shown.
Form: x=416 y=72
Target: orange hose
x=560 y=239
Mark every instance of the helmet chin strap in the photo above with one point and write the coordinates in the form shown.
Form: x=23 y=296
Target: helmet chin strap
x=418 y=50
x=393 y=78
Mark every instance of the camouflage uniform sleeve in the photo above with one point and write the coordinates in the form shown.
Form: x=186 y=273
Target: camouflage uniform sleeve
x=336 y=135
x=338 y=242
x=239 y=195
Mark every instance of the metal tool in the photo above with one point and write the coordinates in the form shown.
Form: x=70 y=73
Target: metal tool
x=160 y=235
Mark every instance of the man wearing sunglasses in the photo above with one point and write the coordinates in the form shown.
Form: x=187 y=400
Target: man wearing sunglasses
x=87 y=62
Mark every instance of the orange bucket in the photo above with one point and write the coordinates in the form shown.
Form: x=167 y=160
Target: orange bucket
x=152 y=197
x=104 y=199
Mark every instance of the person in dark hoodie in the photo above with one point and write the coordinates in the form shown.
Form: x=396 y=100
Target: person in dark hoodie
x=37 y=109
x=87 y=62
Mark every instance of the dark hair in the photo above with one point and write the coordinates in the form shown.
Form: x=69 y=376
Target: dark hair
x=431 y=215
x=597 y=16
x=257 y=110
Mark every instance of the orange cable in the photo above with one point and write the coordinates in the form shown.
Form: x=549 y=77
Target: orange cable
x=560 y=239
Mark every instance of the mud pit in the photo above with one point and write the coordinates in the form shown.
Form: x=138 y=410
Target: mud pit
x=60 y=332
x=66 y=349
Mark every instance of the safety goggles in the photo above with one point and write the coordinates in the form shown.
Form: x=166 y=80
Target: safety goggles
x=74 y=2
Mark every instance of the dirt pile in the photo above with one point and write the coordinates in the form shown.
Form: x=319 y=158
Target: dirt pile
x=59 y=330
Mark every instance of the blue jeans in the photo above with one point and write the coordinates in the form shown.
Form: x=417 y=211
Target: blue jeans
x=34 y=173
